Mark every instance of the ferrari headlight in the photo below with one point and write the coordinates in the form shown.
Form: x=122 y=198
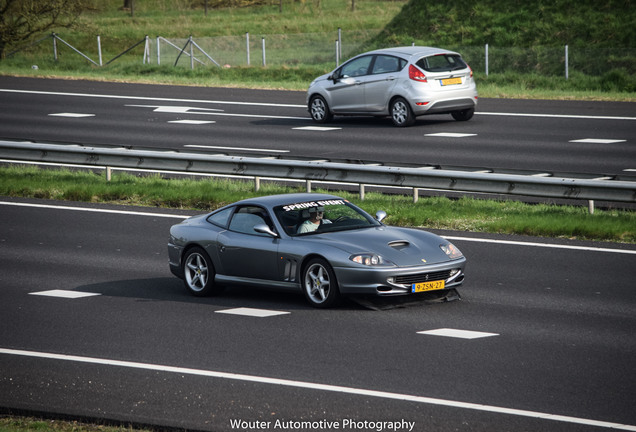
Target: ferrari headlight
x=451 y=250
x=370 y=260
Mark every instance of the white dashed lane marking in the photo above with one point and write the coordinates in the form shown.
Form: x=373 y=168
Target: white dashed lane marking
x=260 y=313
x=71 y=115
x=597 y=141
x=450 y=135
x=191 y=122
x=462 y=334
x=64 y=294
x=317 y=128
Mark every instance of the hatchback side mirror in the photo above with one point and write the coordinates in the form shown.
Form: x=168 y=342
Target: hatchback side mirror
x=380 y=215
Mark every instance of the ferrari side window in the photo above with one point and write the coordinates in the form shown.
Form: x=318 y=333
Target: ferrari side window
x=246 y=218
x=221 y=218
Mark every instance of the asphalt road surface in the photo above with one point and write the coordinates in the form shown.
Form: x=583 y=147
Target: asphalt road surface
x=93 y=325
x=550 y=136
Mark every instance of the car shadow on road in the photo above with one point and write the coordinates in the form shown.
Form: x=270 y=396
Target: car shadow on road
x=354 y=122
x=169 y=289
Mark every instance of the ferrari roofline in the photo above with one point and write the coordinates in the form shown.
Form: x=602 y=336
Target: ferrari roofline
x=283 y=199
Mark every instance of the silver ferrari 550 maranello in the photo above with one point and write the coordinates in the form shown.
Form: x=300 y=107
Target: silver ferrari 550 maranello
x=320 y=244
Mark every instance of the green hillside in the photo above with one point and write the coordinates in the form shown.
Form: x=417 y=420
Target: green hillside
x=519 y=23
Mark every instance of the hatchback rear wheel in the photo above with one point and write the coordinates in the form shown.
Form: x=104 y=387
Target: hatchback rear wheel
x=401 y=113
x=319 y=110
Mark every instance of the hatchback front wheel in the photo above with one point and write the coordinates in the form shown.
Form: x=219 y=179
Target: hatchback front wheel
x=319 y=110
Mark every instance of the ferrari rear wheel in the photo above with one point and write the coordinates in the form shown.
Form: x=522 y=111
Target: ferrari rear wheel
x=319 y=284
x=198 y=272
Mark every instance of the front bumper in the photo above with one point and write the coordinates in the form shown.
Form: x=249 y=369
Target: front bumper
x=388 y=281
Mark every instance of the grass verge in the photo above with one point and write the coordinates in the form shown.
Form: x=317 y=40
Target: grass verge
x=32 y=424
x=464 y=214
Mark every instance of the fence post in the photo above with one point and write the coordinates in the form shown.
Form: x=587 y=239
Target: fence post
x=486 y=53
x=247 y=46
x=158 y=52
x=337 y=55
x=339 y=42
x=191 y=53
x=263 y=46
x=99 y=49
x=567 y=72
x=54 y=46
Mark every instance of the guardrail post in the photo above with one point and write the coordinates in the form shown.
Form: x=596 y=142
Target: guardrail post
x=308 y=186
x=257 y=184
x=416 y=195
x=590 y=206
x=362 y=190
x=109 y=173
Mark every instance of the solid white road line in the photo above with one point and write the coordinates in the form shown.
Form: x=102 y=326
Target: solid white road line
x=94 y=210
x=545 y=245
x=235 y=148
x=156 y=99
x=453 y=238
x=321 y=387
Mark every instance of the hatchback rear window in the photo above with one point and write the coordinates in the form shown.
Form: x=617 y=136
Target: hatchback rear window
x=441 y=63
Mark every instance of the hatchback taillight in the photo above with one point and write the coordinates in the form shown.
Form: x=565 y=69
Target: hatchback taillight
x=416 y=74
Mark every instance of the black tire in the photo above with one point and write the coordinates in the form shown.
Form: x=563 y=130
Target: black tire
x=401 y=113
x=198 y=273
x=319 y=284
x=463 y=115
x=319 y=110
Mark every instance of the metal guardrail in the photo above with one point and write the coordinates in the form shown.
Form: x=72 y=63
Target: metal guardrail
x=406 y=177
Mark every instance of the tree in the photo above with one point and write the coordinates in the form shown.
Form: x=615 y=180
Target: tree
x=20 y=20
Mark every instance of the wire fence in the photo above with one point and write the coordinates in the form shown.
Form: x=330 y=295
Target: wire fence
x=330 y=49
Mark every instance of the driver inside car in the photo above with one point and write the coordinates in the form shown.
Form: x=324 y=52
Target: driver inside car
x=313 y=222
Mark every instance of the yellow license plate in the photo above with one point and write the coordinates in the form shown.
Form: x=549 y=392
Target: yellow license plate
x=451 y=81
x=427 y=286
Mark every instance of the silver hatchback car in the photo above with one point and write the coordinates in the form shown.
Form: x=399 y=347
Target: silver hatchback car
x=403 y=83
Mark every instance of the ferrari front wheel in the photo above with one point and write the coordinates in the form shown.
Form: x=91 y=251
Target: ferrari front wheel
x=319 y=284
x=198 y=272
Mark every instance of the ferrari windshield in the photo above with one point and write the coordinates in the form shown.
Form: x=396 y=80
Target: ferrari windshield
x=311 y=217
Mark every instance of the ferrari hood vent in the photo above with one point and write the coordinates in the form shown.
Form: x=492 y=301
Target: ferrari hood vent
x=399 y=244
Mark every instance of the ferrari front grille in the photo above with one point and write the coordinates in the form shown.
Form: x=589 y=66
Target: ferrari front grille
x=423 y=277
